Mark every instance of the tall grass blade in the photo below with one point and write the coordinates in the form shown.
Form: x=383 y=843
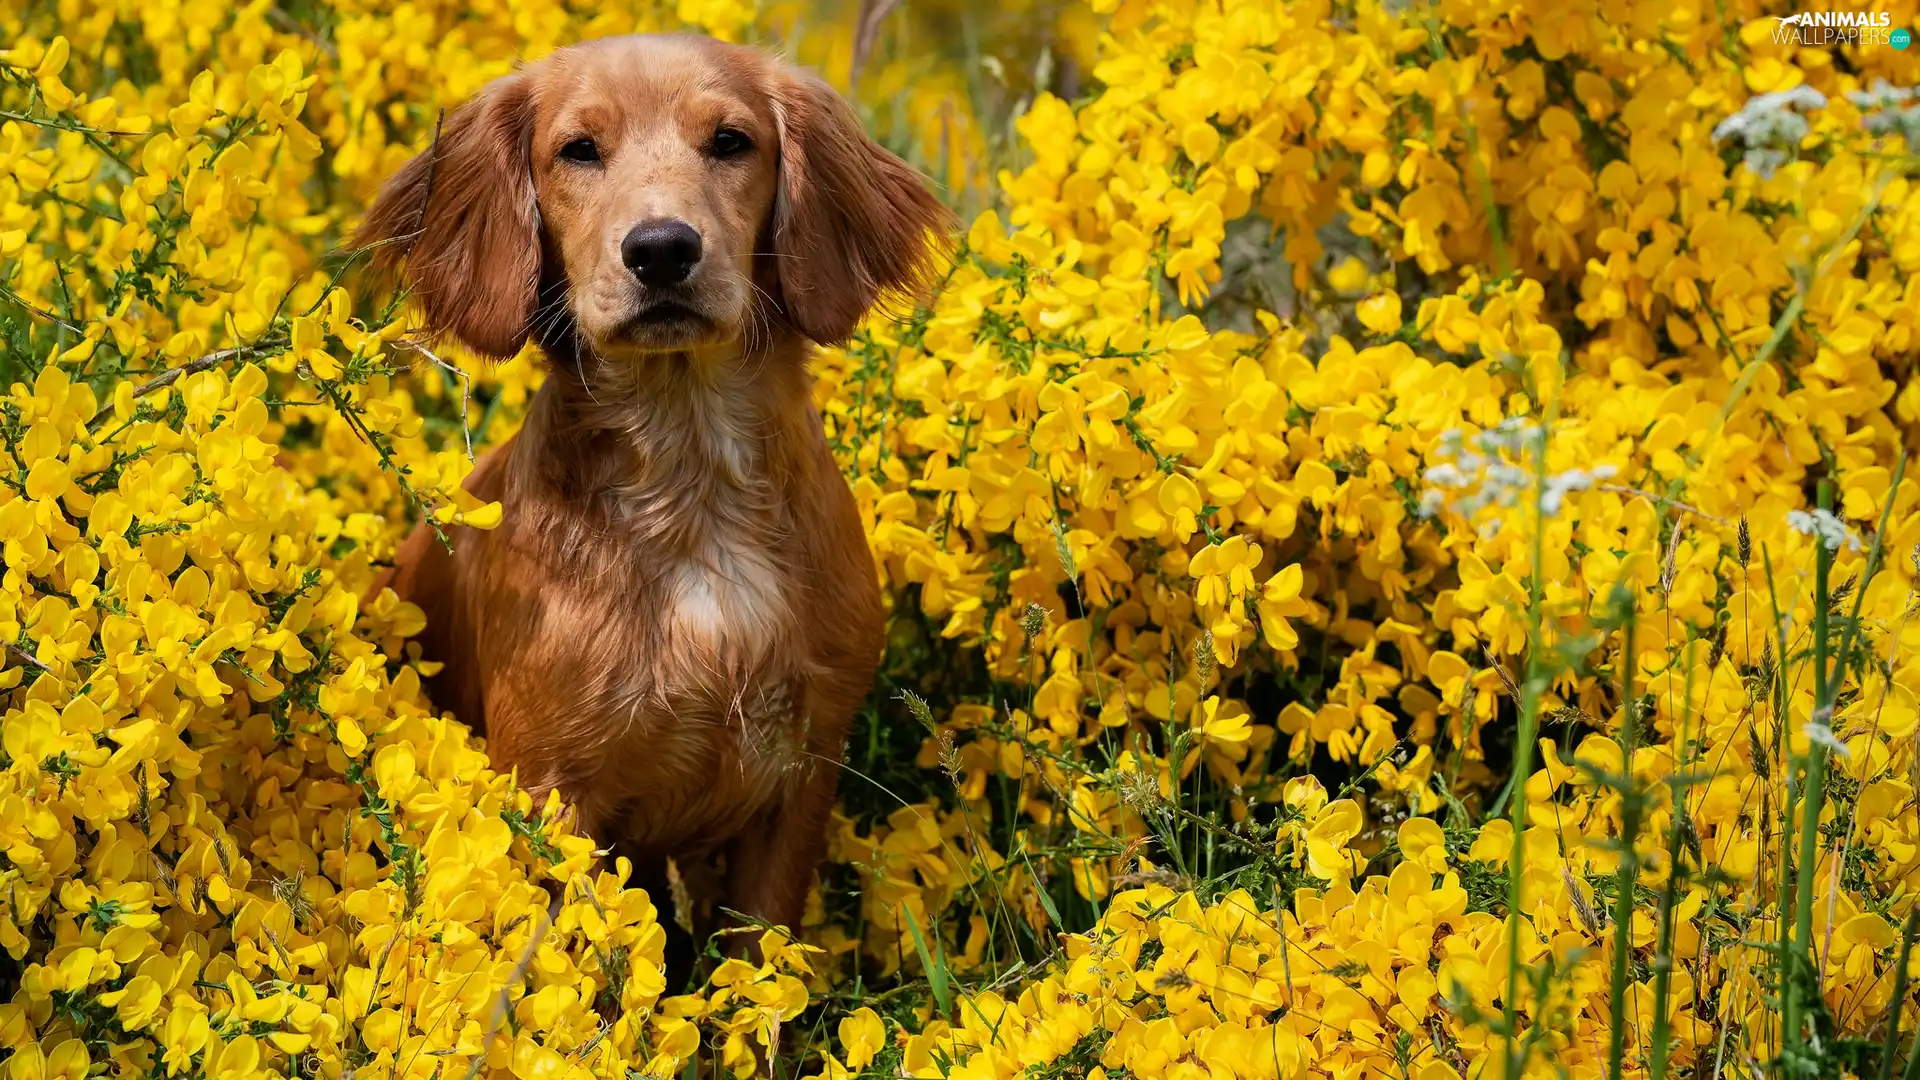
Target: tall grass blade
x=936 y=968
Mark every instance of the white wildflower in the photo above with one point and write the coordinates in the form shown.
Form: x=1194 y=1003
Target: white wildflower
x=1481 y=474
x=1571 y=480
x=1883 y=95
x=1887 y=110
x=1820 y=734
x=1769 y=127
x=1831 y=531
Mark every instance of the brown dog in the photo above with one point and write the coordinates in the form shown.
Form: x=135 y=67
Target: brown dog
x=678 y=616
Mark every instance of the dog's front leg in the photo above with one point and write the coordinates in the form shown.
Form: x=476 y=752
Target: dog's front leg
x=770 y=865
x=541 y=751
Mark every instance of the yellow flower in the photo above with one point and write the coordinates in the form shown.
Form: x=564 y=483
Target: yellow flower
x=1231 y=725
x=862 y=1034
x=1225 y=571
x=1279 y=600
x=1380 y=313
x=309 y=340
x=1328 y=857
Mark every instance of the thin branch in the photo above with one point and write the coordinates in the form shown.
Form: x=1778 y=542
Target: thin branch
x=293 y=26
x=1506 y=677
x=34 y=309
x=504 y=1003
x=866 y=28
x=426 y=194
x=57 y=125
x=168 y=378
x=27 y=658
x=466 y=387
x=1622 y=489
x=1790 y=317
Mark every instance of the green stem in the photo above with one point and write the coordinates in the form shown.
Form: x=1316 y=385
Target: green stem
x=1789 y=1007
x=1791 y=316
x=1503 y=259
x=1669 y=896
x=1814 y=794
x=1523 y=763
x=1851 y=634
x=1913 y=1055
x=1663 y=959
x=1629 y=872
x=1899 y=1000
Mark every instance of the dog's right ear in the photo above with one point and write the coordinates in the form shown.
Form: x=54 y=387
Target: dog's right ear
x=462 y=217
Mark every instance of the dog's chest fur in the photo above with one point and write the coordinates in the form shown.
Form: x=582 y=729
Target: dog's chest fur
x=703 y=723
x=714 y=726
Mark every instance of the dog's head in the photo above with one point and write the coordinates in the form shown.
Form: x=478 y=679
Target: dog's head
x=652 y=194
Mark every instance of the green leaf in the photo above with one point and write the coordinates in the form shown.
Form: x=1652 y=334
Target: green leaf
x=936 y=967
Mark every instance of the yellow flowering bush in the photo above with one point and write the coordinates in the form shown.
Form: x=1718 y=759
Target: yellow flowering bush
x=1396 y=522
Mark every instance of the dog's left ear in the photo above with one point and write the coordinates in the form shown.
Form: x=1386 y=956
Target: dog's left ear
x=851 y=222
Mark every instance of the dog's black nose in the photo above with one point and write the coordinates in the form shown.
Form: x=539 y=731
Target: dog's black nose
x=661 y=253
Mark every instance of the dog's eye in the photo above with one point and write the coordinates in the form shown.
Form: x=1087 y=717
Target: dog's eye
x=582 y=150
x=727 y=142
